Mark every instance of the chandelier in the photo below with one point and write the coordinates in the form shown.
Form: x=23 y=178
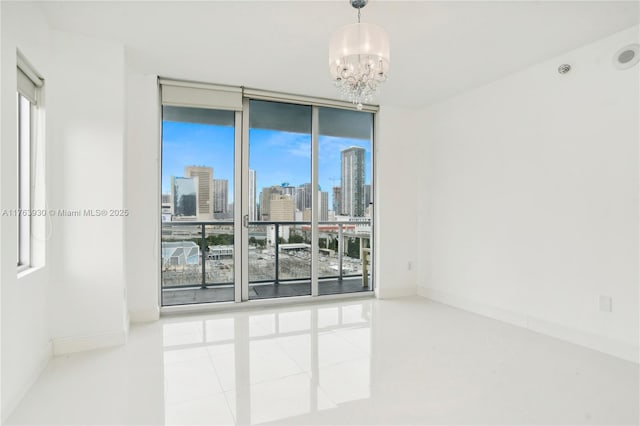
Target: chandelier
x=359 y=59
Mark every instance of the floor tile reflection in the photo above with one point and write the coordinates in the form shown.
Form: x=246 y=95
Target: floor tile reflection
x=378 y=362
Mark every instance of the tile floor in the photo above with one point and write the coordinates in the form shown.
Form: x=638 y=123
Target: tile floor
x=375 y=362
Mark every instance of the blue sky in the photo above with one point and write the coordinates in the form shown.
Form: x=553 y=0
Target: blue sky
x=276 y=156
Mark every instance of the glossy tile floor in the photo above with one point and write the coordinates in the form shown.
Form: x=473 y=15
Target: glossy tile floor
x=378 y=362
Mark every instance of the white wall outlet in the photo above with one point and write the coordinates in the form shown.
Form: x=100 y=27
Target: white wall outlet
x=606 y=303
x=409 y=265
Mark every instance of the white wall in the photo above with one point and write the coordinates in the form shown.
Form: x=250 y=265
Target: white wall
x=87 y=119
x=76 y=297
x=142 y=247
x=26 y=345
x=396 y=202
x=529 y=210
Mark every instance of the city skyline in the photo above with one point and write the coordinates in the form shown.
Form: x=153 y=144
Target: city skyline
x=276 y=157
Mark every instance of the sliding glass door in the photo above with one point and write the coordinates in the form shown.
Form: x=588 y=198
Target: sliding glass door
x=345 y=220
x=263 y=198
x=198 y=168
x=279 y=237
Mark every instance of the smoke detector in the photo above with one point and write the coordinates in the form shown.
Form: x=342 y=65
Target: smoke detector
x=627 y=57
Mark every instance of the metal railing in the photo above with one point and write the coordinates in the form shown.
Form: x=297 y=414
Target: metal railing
x=279 y=252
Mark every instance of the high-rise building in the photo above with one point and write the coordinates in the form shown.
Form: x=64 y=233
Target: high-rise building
x=337 y=200
x=220 y=198
x=205 y=190
x=303 y=197
x=323 y=206
x=367 y=196
x=288 y=190
x=167 y=205
x=184 y=193
x=265 y=201
x=299 y=198
x=282 y=208
x=353 y=172
x=253 y=208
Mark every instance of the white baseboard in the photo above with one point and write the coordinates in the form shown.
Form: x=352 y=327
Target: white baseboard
x=14 y=400
x=604 y=344
x=144 y=315
x=393 y=293
x=67 y=345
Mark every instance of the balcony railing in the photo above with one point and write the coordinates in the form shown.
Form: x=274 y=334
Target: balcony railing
x=200 y=254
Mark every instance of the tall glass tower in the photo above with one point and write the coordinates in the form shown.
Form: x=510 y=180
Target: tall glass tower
x=353 y=173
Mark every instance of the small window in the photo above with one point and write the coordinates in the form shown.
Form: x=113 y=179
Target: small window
x=28 y=88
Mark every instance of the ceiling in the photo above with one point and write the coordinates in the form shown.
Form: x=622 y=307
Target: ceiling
x=438 y=49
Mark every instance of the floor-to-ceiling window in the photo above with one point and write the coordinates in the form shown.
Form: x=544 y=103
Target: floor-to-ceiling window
x=280 y=252
x=198 y=246
x=263 y=198
x=345 y=179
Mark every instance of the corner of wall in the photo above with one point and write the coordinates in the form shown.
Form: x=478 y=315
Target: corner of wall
x=144 y=315
x=531 y=217
x=10 y=403
x=142 y=192
x=67 y=345
x=395 y=202
x=589 y=340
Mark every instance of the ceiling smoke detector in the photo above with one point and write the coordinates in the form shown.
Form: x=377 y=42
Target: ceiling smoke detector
x=627 y=57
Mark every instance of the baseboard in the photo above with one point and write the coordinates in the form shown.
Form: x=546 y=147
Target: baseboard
x=67 y=345
x=393 y=293
x=144 y=315
x=596 y=342
x=14 y=400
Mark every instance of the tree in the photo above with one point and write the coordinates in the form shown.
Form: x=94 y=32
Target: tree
x=353 y=248
x=258 y=243
x=296 y=239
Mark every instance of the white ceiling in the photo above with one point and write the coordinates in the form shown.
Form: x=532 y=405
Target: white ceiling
x=439 y=49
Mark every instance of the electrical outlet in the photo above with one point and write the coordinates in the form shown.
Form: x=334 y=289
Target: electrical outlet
x=409 y=265
x=606 y=303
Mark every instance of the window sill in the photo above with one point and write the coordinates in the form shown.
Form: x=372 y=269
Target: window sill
x=26 y=270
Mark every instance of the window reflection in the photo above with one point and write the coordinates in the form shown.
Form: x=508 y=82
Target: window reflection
x=267 y=366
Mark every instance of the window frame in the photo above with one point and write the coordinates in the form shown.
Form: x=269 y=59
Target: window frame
x=186 y=94
x=24 y=196
x=28 y=99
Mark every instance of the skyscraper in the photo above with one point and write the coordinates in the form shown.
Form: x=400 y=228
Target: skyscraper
x=323 y=205
x=184 y=193
x=337 y=200
x=265 y=201
x=367 y=196
x=282 y=208
x=167 y=204
x=288 y=190
x=220 y=198
x=353 y=169
x=253 y=210
x=303 y=197
x=205 y=190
